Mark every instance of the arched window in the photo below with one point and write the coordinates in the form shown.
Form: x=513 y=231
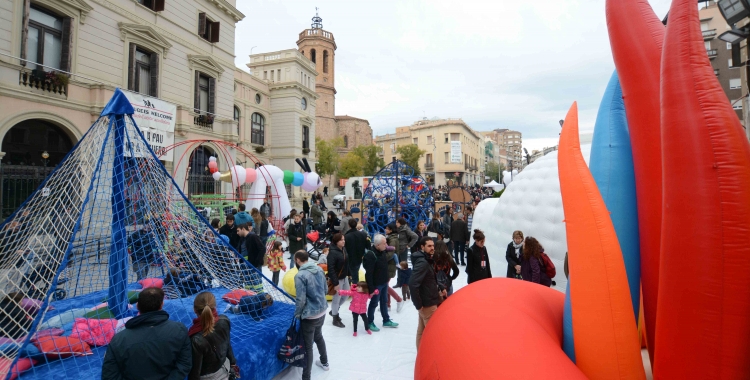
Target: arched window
x=346 y=141
x=200 y=180
x=325 y=61
x=258 y=131
x=236 y=114
x=312 y=55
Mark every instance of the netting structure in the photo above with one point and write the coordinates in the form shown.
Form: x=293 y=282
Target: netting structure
x=396 y=191
x=108 y=216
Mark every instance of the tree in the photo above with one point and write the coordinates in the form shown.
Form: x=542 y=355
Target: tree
x=328 y=157
x=410 y=154
x=350 y=166
x=370 y=160
x=494 y=171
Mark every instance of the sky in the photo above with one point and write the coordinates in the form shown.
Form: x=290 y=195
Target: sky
x=495 y=64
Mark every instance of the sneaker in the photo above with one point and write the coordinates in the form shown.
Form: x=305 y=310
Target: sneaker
x=399 y=306
x=373 y=327
x=355 y=334
x=390 y=324
x=325 y=367
x=369 y=332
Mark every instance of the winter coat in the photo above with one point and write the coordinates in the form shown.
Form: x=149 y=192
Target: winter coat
x=345 y=224
x=265 y=209
x=211 y=351
x=376 y=269
x=276 y=261
x=243 y=217
x=406 y=239
x=357 y=243
x=150 y=347
x=423 y=283
x=142 y=246
x=359 y=300
x=296 y=230
x=231 y=233
x=338 y=264
x=306 y=207
x=403 y=276
x=332 y=226
x=392 y=240
x=255 y=249
x=310 y=284
x=317 y=215
x=451 y=273
x=459 y=231
x=474 y=260
x=512 y=259
x=447 y=221
x=533 y=271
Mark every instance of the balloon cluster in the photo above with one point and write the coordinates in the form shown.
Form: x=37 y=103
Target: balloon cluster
x=238 y=175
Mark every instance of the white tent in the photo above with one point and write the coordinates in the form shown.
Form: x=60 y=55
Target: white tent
x=494 y=185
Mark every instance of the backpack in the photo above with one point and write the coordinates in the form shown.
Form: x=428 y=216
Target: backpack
x=549 y=268
x=443 y=280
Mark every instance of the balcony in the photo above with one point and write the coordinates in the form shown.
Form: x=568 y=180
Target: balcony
x=716 y=72
x=430 y=166
x=204 y=121
x=711 y=53
x=49 y=83
x=708 y=34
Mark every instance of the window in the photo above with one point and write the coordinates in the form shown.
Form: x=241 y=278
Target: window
x=737 y=104
x=729 y=46
x=729 y=62
x=305 y=137
x=257 y=98
x=312 y=55
x=708 y=45
x=446 y=138
x=258 y=129
x=278 y=75
x=265 y=75
x=393 y=147
x=143 y=71
x=735 y=83
x=205 y=93
x=429 y=140
x=207 y=29
x=704 y=26
x=154 y=5
x=428 y=158
x=446 y=157
x=346 y=141
x=236 y=114
x=325 y=61
x=415 y=141
x=48 y=39
x=304 y=103
x=455 y=137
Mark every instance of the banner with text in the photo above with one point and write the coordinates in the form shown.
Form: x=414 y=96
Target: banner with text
x=156 y=120
x=456 y=154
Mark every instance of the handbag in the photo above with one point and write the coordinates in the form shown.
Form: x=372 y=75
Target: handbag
x=293 y=350
x=232 y=371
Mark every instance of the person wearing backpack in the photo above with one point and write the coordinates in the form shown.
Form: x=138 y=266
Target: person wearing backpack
x=478 y=260
x=446 y=270
x=532 y=263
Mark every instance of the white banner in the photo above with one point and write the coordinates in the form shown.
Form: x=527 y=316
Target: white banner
x=456 y=154
x=156 y=120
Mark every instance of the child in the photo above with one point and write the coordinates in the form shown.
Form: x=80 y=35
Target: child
x=360 y=295
x=404 y=274
x=275 y=261
x=323 y=258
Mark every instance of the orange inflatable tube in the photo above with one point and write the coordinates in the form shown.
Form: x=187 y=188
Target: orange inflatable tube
x=636 y=36
x=511 y=329
x=702 y=328
x=606 y=334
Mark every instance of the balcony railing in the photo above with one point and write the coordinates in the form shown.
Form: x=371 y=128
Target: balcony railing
x=429 y=166
x=204 y=121
x=51 y=82
x=709 y=34
x=711 y=53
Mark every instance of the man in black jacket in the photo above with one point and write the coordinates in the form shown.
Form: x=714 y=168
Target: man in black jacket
x=460 y=237
x=151 y=346
x=357 y=242
x=253 y=245
x=376 y=275
x=230 y=230
x=423 y=284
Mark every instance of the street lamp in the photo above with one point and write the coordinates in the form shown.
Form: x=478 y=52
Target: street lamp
x=734 y=10
x=734 y=36
x=45 y=157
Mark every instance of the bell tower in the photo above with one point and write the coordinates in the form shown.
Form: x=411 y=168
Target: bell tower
x=320 y=47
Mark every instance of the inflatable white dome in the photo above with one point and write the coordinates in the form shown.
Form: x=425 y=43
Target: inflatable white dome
x=532 y=203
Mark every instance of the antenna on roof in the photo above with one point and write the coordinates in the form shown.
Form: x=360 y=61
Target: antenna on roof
x=317 y=21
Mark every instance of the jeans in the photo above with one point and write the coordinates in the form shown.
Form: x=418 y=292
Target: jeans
x=312 y=331
x=354 y=264
x=425 y=314
x=337 y=299
x=141 y=269
x=276 y=278
x=459 y=251
x=356 y=316
x=382 y=297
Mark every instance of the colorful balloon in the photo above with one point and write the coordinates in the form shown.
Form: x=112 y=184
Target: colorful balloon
x=288 y=177
x=299 y=179
x=238 y=175
x=216 y=176
x=250 y=175
x=312 y=180
x=212 y=159
x=213 y=165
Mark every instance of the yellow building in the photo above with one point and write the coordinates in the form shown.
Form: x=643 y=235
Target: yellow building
x=454 y=151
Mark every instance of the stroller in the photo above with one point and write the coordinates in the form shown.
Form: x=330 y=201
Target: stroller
x=317 y=242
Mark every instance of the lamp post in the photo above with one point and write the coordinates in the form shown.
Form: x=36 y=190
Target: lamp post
x=45 y=157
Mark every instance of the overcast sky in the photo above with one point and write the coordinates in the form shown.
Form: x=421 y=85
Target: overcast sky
x=495 y=64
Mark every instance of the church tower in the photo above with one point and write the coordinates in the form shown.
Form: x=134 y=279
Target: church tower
x=320 y=47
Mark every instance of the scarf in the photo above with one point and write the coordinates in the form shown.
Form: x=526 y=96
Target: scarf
x=518 y=248
x=198 y=327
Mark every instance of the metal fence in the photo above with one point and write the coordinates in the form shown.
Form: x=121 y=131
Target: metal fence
x=17 y=182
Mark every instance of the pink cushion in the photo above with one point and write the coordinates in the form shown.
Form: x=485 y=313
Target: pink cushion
x=6 y=340
x=151 y=283
x=23 y=364
x=99 y=306
x=48 y=332
x=234 y=296
x=96 y=332
x=55 y=347
x=32 y=306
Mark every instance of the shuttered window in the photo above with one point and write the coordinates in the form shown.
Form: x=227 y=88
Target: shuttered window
x=205 y=93
x=209 y=30
x=258 y=129
x=154 y=5
x=143 y=71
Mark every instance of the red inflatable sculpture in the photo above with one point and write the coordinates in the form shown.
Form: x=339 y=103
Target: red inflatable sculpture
x=702 y=328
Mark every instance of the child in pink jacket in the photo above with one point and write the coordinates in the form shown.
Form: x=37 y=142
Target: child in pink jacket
x=360 y=295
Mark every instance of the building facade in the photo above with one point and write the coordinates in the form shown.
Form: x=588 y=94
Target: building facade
x=720 y=54
x=454 y=151
x=511 y=146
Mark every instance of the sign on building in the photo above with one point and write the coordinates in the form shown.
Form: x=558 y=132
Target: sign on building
x=456 y=154
x=156 y=120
